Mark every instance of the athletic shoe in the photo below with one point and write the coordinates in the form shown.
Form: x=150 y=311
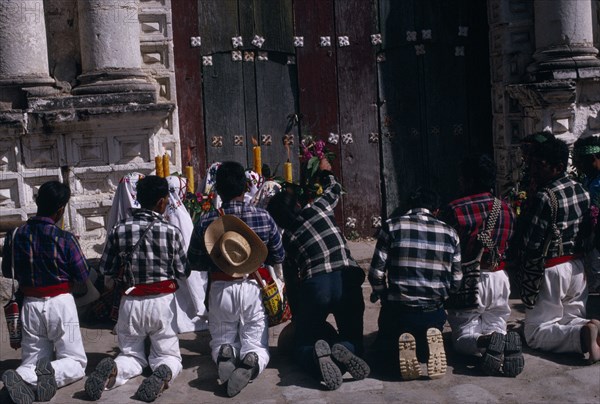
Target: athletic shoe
x=225 y=363
x=330 y=373
x=357 y=367
x=19 y=391
x=46 y=382
x=153 y=385
x=410 y=368
x=513 y=355
x=104 y=375
x=436 y=364
x=242 y=375
x=492 y=359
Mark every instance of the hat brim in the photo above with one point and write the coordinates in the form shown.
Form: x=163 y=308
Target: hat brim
x=227 y=223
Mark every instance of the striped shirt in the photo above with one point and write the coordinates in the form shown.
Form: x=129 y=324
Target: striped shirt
x=257 y=219
x=315 y=244
x=160 y=255
x=468 y=216
x=421 y=256
x=573 y=203
x=45 y=255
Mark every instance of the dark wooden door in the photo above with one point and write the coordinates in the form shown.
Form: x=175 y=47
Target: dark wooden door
x=249 y=81
x=434 y=93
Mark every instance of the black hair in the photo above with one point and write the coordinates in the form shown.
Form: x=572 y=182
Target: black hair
x=52 y=196
x=424 y=198
x=554 y=152
x=480 y=172
x=150 y=189
x=283 y=208
x=230 y=181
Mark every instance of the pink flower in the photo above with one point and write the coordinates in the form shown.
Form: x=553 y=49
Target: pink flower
x=319 y=146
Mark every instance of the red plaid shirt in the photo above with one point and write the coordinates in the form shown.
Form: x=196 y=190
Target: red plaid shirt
x=467 y=215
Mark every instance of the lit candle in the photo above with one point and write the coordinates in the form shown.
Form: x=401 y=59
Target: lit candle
x=166 y=167
x=287 y=171
x=189 y=174
x=257 y=157
x=158 y=164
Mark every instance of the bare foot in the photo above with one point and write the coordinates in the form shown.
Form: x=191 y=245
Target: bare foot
x=597 y=324
x=589 y=334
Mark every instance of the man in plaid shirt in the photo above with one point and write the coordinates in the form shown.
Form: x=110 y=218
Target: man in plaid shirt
x=327 y=281
x=421 y=257
x=47 y=260
x=480 y=330
x=146 y=308
x=236 y=316
x=556 y=320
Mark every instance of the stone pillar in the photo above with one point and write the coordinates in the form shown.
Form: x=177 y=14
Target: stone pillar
x=23 y=51
x=109 y=34
x=564 y=39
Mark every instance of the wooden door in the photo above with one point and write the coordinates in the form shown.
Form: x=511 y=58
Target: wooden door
x=249 y=87
x=434 y=93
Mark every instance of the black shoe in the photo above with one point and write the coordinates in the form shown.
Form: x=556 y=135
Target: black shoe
x=242 y=375
x=153 y=386
x=225 y=363
x=492 y=359
x=46 y=385
x=104 y=375
x=357 y=367
x=19 y=391
x=330 y=373
x=513 y=355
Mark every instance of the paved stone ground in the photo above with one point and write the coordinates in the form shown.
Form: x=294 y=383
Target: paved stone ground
x=549 y=378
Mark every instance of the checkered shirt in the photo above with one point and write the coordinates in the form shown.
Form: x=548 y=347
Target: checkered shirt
x=45 y=255
x=421 y=256
x=315 y=244
x=573 y=203
x=468 y=216
x=257 y=219
x=160 y=255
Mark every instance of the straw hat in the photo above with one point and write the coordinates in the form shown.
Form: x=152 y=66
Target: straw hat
x=234 y=247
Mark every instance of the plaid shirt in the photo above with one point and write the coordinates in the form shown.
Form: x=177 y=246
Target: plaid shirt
x=468 y=216
x=45 y=255
x=315 y=244
x=256 y=218
x=573 y=203
x=160 y=256
x=421 y=256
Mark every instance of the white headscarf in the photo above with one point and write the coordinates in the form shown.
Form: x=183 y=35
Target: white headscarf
x=125 y=199
x=209 y=183
x=176 y=213
x=254 y=181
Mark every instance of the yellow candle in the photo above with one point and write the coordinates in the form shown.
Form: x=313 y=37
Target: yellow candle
x=158 y=164
x=166 y=167
x=287 y=172
x=257 y=160
x=189 y=174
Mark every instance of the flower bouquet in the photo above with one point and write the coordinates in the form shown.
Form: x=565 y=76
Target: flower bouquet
x=311 y=153
x=515 y=199
x=199 y=204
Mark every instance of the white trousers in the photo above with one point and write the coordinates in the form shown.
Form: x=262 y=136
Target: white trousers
x=188 y=305
x=50 y=324
x=237 y=316
x=489 y=317
x=555 y=322
x=139 y=317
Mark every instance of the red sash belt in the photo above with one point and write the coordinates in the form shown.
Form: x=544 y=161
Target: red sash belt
x=552 y=262
x=155 y=288
x=46 y=291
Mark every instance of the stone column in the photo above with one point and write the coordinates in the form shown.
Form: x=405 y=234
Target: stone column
x=109 y=34
x=23 y=51
x=564 y=38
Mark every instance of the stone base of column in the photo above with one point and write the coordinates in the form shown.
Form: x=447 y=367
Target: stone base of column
x=15 y=90
x=565 y=62
x=114 y=81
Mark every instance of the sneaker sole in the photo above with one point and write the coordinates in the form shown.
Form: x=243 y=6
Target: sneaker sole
x=331 y=374
x=226 y=364
x=356 y=366
x=46 y=385
x=410 y=368
x=436 y=364
x=241 y=376
x=96 y=382
x=492 y=359
x=18 y=390
x=155 y=384
x=514 y=363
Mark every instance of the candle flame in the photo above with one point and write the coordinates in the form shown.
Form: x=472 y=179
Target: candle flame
x=254 y=141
